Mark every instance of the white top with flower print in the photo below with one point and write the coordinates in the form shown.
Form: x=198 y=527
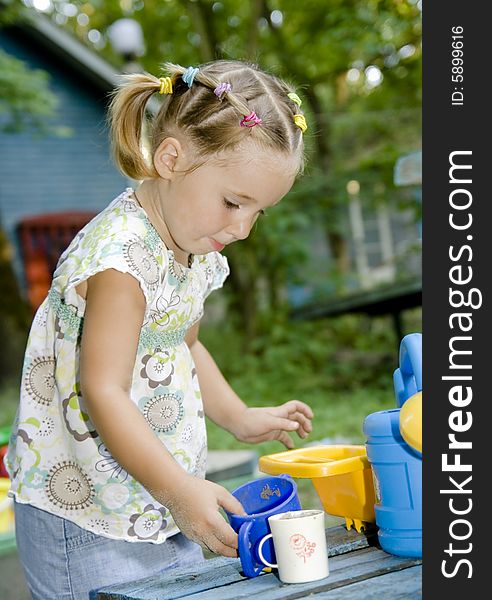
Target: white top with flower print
x=56 y=460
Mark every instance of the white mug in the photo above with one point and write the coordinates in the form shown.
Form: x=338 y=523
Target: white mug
x=300 y=545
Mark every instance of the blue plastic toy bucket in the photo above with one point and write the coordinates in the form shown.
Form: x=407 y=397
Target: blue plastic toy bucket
x=261 y=498
x=397 y=470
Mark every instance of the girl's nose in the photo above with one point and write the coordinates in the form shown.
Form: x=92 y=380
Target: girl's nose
x=240 y=229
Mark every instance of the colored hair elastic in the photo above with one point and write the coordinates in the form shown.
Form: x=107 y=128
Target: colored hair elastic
x=189 y=75
x=295 y=98
x=251 y=120
x=300 y=121
x=166 y=85
x=222 y=89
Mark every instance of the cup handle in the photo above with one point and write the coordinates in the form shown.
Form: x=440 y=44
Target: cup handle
x=250 y=570
x=260 y=552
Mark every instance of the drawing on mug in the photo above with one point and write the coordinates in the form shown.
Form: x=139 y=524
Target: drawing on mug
x=301 y=546
x=267 y=492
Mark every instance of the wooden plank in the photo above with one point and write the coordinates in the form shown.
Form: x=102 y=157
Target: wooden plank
x=345 y=569
x=218 y=572
x=224 y=571
x=220 y=579
x=230 y=464
x=397 y=585
x=214 y=572
x=341 y=541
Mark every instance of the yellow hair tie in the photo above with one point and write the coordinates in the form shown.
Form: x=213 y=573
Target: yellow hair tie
x=166 y=85
x=295 y=98
x=300 y=121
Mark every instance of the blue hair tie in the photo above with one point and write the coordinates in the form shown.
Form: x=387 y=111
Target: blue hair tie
x=189 y=75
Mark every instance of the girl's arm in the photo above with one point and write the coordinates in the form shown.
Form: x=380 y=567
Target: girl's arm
x=115 y=308
x=224 y=407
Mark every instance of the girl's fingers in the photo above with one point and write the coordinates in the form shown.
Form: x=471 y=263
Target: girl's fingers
x=273 y=434
x=215 y=545
x=264 y=437
x=301 y=419
x=305 y=426
x=222 y=536
x=286 y=440
x=230 y=503
x=294 y=406
x=220 y=548
x=283 y=424
x=291 y=408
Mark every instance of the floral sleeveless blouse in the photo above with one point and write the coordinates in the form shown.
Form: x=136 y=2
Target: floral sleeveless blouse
x=56 y=459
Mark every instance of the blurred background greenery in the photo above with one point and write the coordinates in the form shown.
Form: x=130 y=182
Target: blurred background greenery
x=357 y=66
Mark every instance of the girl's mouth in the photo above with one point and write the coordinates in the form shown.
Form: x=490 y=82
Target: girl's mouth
x=217 y=246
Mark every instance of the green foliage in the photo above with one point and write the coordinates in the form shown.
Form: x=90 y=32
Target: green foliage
x=314 y=46
x=356 y=130
x=25 y=98
x=342 y=367
x=14 y=316
x=9 y=399
x=331 y=351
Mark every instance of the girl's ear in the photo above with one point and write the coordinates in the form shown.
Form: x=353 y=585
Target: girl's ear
x=166 y=156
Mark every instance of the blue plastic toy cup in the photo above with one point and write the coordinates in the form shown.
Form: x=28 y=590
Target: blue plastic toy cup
x=261 y=498
x=397 y=470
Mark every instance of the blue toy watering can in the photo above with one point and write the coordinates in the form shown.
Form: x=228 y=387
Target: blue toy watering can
x=394 y=450
x=407 y=380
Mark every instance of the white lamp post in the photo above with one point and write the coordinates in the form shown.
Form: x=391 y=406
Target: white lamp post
x=126 y=38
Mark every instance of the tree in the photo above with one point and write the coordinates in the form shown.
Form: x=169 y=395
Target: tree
x=357 y=126
x=26 y=101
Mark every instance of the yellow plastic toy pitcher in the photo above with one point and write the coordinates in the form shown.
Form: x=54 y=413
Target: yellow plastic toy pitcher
x=341 y=476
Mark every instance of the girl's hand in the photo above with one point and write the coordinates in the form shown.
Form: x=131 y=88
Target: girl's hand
x=272 y=423
x=194 y=505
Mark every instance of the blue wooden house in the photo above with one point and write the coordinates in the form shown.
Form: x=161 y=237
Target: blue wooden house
x=40 y=175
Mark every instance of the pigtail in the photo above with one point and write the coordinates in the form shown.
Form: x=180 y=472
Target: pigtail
x=212 y=83
x=126 y=119
x=208 y=104
x=213 y=108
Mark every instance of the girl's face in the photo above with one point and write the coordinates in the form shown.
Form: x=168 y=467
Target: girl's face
x=218 y=203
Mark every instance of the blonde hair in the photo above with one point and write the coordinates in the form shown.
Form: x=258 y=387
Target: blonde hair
x=211 y=125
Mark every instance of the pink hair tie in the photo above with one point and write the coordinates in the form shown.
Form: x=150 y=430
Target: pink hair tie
x=222 y=89
x=251 y=120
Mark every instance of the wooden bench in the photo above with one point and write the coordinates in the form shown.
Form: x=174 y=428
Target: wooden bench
x=231 y=465
x=359 y=569
x=392 y=300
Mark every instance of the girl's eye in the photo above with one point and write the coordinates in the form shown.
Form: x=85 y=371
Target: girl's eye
x=263 y=213
x=229 y=204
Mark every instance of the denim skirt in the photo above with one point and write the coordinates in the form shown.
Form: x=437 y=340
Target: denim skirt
x=61 y=561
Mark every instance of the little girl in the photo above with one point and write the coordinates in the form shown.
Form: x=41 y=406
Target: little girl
x=108 y=450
